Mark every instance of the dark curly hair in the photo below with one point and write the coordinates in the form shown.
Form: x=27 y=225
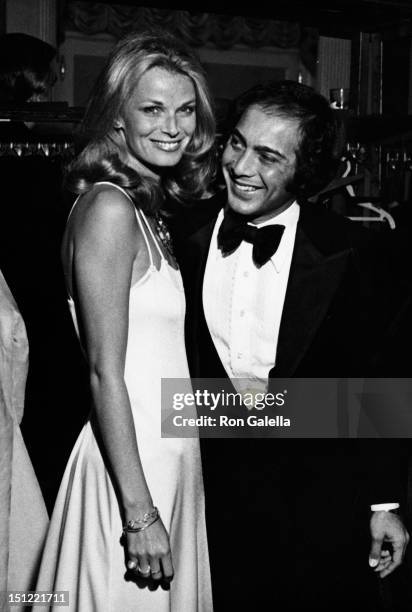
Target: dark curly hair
x=317 y=156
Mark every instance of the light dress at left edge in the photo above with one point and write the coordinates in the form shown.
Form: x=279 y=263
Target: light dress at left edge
x=83 y=554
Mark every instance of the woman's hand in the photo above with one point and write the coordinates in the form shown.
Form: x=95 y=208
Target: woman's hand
x=148 y=552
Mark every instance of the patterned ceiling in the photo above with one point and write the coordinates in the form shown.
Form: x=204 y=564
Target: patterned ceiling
x=324 y=14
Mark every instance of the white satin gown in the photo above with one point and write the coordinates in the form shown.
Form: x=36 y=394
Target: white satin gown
x=83 y=554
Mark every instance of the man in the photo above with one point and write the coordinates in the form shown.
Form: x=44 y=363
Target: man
x=288 y=519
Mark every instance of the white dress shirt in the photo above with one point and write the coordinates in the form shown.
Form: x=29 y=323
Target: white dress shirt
x=243 y=303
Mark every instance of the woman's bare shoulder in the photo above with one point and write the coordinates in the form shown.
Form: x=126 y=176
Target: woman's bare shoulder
x=104 y=207
x=105 y=200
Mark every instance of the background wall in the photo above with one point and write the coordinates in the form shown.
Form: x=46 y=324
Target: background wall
x=229 y=71
x=35 y=17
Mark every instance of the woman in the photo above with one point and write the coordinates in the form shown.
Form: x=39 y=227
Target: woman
x=149 y=132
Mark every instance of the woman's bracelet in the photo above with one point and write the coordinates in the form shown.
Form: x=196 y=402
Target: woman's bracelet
x=142 y=528
x=136 y=525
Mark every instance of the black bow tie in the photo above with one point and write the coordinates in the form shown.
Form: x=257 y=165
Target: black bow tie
x=235 y=228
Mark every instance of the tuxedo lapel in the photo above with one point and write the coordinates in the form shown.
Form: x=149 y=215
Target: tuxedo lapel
x=203 y=238
x=197 y=241
x=314 y=278
x=199 y=244
x=202 y=355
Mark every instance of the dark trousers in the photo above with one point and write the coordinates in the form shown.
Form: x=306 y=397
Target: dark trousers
x=288 y=531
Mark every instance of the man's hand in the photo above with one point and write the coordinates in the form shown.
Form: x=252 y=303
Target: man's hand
x=387 y=527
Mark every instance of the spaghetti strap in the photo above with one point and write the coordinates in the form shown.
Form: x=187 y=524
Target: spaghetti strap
x=138 y=213
x=152 y=234
x=72 y=208
x=100 y=183
x=117 y=187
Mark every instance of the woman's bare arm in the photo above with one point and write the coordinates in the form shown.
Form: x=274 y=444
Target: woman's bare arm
x=105 y=245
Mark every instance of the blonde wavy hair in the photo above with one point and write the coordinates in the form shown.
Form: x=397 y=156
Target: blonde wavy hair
x=100 y=160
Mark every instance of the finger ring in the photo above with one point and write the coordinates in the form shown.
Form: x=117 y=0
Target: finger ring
x=158 y=571
x=144 y=572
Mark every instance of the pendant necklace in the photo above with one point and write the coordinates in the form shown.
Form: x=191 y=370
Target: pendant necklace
x=164 y=235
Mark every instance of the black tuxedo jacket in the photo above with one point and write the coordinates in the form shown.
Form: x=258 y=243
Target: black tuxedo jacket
x=338 y=314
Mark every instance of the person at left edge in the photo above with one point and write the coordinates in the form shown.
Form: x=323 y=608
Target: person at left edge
x=149 y=130
x=21 y=501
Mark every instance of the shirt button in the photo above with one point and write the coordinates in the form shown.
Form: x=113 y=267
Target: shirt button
x=246 y=274
x=242 y=313
x=239 y=355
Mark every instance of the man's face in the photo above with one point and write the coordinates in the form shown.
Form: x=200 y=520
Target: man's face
x=258 y=163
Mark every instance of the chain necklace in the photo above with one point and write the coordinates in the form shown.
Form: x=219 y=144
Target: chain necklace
x=164 y=235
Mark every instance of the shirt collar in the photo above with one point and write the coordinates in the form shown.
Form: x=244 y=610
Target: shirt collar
x=288 y=217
